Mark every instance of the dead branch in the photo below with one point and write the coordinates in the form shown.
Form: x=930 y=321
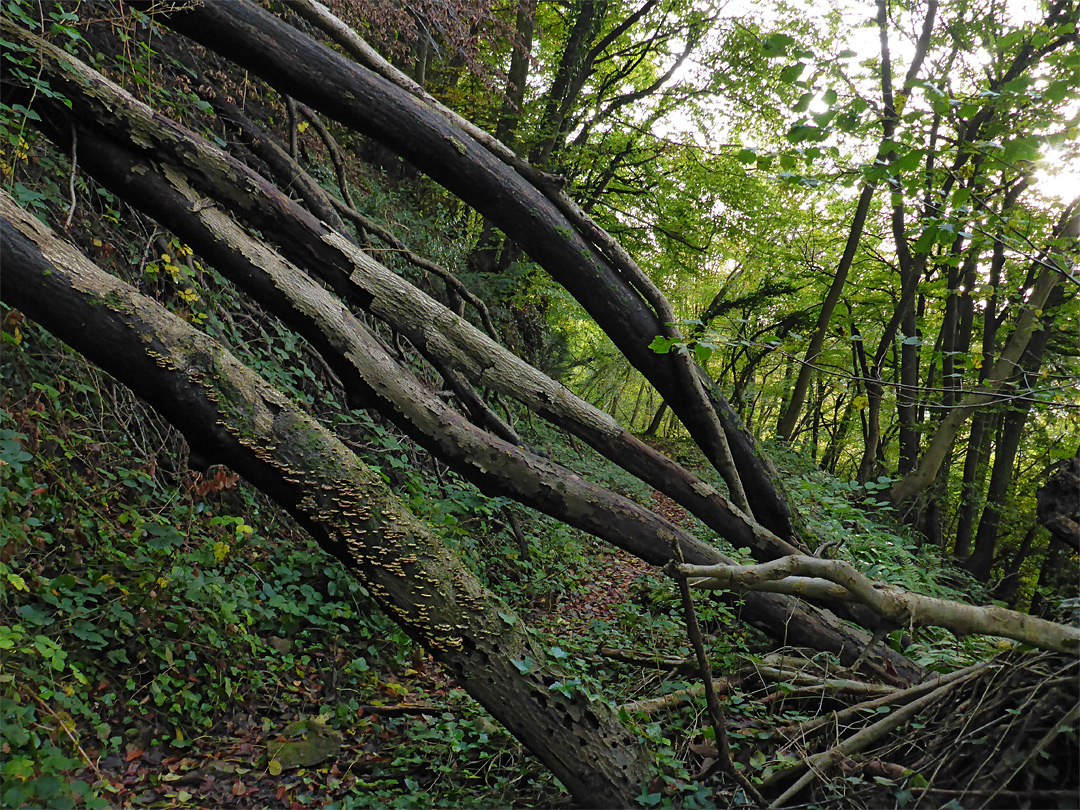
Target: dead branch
x=899 y=607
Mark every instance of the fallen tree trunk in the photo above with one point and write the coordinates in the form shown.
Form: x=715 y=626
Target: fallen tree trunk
x=224 y=408
x=373 y=379
x=374 y=106
x=438 y=333
x=809 y=576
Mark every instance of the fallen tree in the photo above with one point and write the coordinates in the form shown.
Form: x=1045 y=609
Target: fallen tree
x=810 y=576
x=175 y=195
x=410 y=126
x=218 y=403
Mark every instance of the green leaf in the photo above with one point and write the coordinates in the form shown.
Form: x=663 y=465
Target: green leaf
x=524 y=666
x=926 y=241
x=508 y=618
x=803 y=132
x=792 y=72
x=776 y=44
x=908 y=161
x=746 y=157
x=558 y=652
x=803 y=103
x=661 y=344
x=829 y=97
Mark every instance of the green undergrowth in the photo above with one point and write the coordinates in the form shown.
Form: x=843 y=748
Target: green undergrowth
x=157 y=619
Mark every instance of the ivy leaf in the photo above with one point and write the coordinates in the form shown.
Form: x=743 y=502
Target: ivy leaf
x=524 y=666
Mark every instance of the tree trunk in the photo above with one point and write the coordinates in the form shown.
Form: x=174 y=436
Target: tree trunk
x=1009 y=585
x=802 y=383
x=559 y=97
x=514 y=96
x=225 y=409
x=997 y=494
x=983 y=426
x=934 y=455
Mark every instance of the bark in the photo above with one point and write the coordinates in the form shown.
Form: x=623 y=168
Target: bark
x=224 y=408
x=1005 y=448
x=498 y=185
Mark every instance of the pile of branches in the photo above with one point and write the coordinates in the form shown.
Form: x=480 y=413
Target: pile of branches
x=1000 y=734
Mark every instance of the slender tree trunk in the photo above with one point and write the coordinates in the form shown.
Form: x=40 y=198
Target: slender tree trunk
x=942 y=440
x=514 y=95
x=1009 y=586
x=559 y=96
x=997 y=495
x=839 y=437
x=790 y=416
x=983 y=426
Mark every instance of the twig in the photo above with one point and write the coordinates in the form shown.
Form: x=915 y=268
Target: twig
x=67 y=730
x=419 y=261
x=71 y=179
x=716 y=714
x=894 y=698
x=856 y=742
x=290 y=173
x=674 y=700
x=331 y=147
x=294 y=146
